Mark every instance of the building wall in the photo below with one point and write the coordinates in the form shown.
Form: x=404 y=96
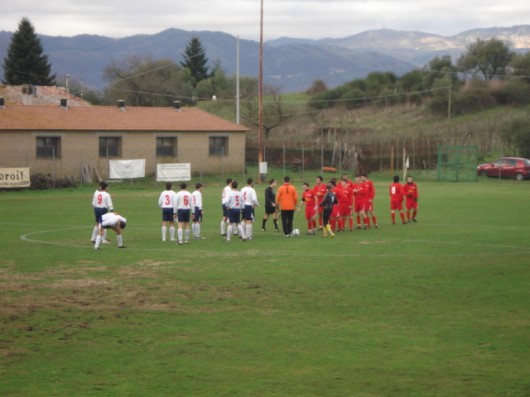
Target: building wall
x=79 y=149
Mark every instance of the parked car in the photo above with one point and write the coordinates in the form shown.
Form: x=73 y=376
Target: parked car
x=506 y=167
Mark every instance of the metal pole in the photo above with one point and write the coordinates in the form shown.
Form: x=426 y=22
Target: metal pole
x=260 y=100
x=237 y=85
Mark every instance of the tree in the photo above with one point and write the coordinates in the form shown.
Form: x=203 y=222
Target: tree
x=439 y=67
x=489 y=57
x=146 y=82
x=517 y=133
x=195 y=60
x=521 y=66
x=25 y=62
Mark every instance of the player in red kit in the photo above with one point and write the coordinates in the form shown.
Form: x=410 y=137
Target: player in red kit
x=396 y=200
x=410 y=190
x=347 y=203
x=320 y=191
x=309 y=200
x=368 y=190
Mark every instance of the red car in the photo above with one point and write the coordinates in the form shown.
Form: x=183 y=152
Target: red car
x=506 y=167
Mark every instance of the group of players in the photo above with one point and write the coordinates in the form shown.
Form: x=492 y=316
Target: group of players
x=341 y=204
x=331 y=207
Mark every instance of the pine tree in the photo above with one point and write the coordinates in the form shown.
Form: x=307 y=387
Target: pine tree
x=195 y=60
x=25 y=62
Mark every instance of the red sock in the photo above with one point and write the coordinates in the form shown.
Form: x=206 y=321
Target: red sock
x=374 y=219
x=393 y=216
x=414 y=214
x=402 y=215
x=350 y=222
x=358 y=220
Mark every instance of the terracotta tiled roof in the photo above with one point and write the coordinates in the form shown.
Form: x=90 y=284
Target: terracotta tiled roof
x=108 y=118
x=40 y=95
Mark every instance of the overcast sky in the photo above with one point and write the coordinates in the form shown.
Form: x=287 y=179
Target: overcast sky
x=294 y=18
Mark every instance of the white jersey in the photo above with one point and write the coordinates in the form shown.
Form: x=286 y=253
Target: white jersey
x=102 y=199
x=235 y=200
x=197 y=199
x=167 y=199
x=226 y=191
x=111 y=219
x=249 y=196
x=183 y=200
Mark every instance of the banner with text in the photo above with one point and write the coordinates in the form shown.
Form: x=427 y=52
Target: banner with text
x=173 y=172
x=11 y=178
x=126 y=169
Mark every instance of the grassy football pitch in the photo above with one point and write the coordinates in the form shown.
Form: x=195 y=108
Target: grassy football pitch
x=437 y=308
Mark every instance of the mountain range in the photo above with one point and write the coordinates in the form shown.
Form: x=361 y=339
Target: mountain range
x=291 y=64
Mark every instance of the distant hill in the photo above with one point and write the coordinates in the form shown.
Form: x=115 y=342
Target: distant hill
x=291 y=64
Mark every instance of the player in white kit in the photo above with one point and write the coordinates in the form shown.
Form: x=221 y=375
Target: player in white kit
x=182 y=209
x=197 y=212
x=112 y=221
x=224 y=196
x=102 y=203
x=250 y=201
x=166 y=202
x=233 y=203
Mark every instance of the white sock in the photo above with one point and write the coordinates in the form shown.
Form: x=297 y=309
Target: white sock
x=94 y=233
x=98 y=242
x=179 y=233
x=194 y=229
x=248 y=230
x=223 y=227
x=198 y=229
x=164 y=232
x=229 y=231
x=187 y=235
x=119 y=239
x=172 y=233
x=104 y=234
x=241 y=231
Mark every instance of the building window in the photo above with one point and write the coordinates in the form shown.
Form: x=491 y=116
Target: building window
x=48 y=147
x=218 y=146
x=166 y=146
x=109 y=147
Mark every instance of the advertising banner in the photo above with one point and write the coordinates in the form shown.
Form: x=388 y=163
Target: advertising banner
x=14 y=178
x=126 y=169
x=173 y=172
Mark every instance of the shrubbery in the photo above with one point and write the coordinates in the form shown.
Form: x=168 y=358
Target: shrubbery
x=43 y=182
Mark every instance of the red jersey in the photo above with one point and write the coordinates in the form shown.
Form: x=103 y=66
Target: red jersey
x=396 y=192
x=320 y=191
x=347 y=192
x=410 y=190
x=365 y=190
x=309 y=197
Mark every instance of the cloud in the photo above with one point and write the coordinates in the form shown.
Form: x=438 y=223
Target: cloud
x=295 y=18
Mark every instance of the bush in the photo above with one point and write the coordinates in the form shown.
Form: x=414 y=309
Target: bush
x=43 y=182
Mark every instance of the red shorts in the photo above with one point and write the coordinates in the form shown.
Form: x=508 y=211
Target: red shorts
x=411 y=204
x=345 y=210
x=357 y=206
x=310 y=213
x=367 y=205
x=396 y=205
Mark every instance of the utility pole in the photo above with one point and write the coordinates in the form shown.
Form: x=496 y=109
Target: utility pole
x=260 y=99
x=449 y=95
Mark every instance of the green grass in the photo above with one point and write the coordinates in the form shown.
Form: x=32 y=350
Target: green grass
x=437 y=308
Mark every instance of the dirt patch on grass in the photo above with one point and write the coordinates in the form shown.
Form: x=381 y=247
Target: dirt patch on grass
x=147 y=285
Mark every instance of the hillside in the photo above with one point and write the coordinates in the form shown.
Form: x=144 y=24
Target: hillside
x=291 y=64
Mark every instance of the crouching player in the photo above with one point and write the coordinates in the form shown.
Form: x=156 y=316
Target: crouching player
x=112 y=221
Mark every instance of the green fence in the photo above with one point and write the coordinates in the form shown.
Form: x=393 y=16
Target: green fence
x=457 y=163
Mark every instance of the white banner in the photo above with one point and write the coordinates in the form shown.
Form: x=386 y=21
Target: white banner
x=126 y=169
x=173 y=172
x=14 y=177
